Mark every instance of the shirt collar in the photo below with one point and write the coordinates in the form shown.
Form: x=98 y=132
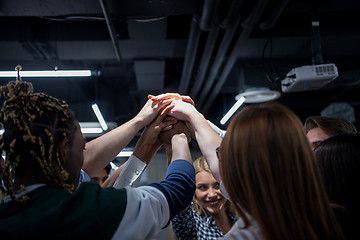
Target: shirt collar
x=27 y=190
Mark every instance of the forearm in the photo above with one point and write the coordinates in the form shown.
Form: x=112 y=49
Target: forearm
x=102 y=150
x=208 y=141
x=145 y=152
x=180 y=148
x=111 y=180
x=178 y=186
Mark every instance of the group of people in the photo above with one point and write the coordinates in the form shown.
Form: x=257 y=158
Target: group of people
x=264 y=179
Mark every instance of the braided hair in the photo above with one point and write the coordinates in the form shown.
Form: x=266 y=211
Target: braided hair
x=35 y=125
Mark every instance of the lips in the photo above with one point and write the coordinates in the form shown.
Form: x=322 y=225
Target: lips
x=214 y=203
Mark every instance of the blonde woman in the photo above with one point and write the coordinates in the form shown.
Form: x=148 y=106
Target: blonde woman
x=211 y=215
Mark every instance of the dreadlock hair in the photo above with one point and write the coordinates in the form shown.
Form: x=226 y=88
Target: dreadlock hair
x=35 y=125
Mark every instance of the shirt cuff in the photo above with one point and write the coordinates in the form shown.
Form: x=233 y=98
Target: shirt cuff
x=131 y=174
x=84 y=177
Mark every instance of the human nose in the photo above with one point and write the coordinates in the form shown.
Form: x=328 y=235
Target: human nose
x=212 y=192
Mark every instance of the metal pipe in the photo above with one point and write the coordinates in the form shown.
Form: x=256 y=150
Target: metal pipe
x=204 y=62
x=274 y=16
x=207 y=20
x=233 y=15
x=219 y=58
x=111 y=29
x=190 y=55
x=248 y=26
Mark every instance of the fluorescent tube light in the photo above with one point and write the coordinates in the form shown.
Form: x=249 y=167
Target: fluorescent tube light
x=232 y=110
x=87 y=130
x=99 y=116
x=53 y=73
x=125 y=153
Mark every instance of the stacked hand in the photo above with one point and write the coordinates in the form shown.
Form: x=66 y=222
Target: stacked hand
x=149 y=142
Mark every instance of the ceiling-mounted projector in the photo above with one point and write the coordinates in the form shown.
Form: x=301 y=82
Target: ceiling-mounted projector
x=307 y=78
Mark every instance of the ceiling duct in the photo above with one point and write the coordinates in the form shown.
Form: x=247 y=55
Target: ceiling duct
x=190 y=55
x=208 y=15
x=270 y=21
x=248 y=25
x=205 y=60
x=111 y=28
x=218 y=61
x=233 y=15
x=230 y=24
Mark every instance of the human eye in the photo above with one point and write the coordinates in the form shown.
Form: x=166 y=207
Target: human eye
x=202 y=187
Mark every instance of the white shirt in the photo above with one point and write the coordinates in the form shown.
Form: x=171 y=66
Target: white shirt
x=131 y=174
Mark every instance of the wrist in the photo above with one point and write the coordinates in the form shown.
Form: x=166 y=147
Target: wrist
x=196 y=118
x=138 y=122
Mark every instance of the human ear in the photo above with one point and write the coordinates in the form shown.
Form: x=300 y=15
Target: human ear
x=64 y=150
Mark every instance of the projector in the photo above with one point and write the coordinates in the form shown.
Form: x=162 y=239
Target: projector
x=307 y=78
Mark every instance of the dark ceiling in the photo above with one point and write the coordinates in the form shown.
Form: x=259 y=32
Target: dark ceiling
x=209 y=49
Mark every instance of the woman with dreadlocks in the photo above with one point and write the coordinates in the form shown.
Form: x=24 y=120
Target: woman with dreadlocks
x=43 y=148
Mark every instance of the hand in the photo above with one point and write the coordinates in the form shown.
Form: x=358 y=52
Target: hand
x=149 y=111
x=171 y=96
x=170 y=120
x=182 y=110
x=149 y=143
x=179 y=127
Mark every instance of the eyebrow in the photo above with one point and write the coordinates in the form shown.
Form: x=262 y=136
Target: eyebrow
x=316 y=142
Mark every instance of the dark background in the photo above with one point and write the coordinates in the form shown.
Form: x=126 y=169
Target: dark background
x=210 y=50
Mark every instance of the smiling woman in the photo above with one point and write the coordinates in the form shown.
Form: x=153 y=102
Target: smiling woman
x=211 y=215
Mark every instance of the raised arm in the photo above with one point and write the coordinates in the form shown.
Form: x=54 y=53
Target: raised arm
x=102 y=150
x=207 y=139
x=145 y=149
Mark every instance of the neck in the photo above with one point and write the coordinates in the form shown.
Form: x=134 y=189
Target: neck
x=223 y=221
x=29 y=178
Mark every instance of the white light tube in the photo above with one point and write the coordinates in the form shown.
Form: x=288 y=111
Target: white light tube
x=232 y=110
x=84 y=130
x=54 y=73
x=99 y=116
x=125 y=153
x=94 y=130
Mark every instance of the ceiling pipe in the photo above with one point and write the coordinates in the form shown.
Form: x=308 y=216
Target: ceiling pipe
x=204 y=62
x=270 y=21
x=111 y=29
x=219 y=58
x=233 y=15
x=248 y=25
x=190 y=55
x=228 y=22
x=207 y=20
